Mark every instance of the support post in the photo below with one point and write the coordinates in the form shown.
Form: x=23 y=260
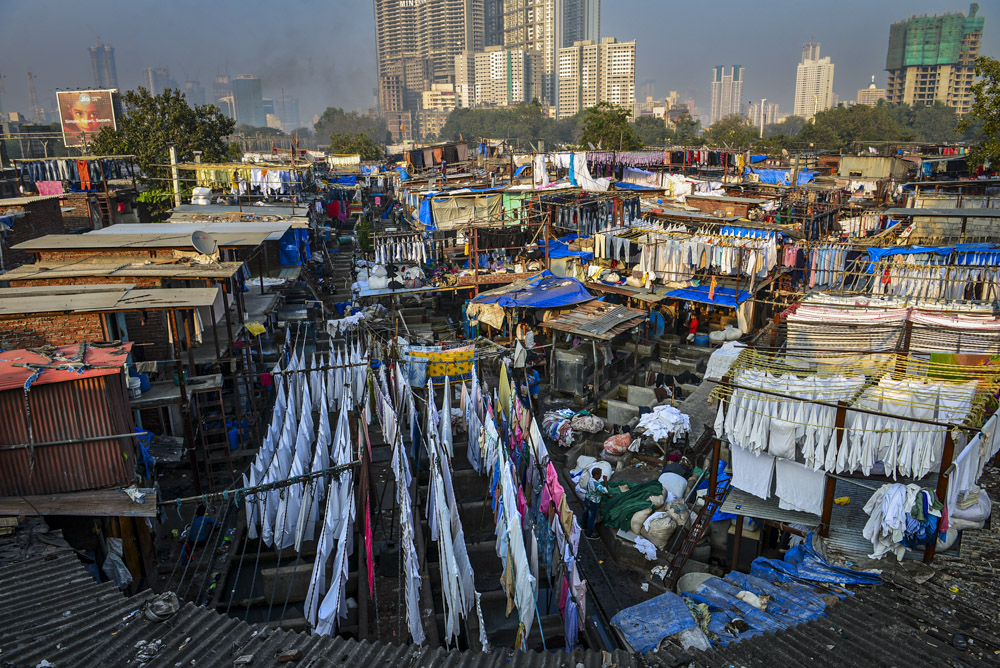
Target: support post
x=185 y=406
x=942 y=486
x=734 y=560
x=175 y=175
x=831 y=482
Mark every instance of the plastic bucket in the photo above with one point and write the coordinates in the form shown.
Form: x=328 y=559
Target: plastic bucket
x=134 y=387
x=701 y=340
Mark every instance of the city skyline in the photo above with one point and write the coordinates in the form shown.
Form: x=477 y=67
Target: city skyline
x=343 y=73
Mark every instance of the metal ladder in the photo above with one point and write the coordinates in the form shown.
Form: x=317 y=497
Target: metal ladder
x=698 y=528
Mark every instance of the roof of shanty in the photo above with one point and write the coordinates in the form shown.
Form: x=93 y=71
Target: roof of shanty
x=161 y=237
x=734 y=200
x=92 y=298
x=245 y=213
x=54 y=611
x=54 y=269
x=28 y=199
x=944 y=213
x=61 y=364
x=275 y=229
x=596 y=320
x=692 y=215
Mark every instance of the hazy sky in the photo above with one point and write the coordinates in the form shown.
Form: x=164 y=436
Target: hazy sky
x=322 y=51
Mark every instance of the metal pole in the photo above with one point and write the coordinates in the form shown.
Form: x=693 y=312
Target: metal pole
x=174 y=175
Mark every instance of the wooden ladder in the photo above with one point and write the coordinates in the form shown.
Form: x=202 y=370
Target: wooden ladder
x=680 y=558
x=213 y=433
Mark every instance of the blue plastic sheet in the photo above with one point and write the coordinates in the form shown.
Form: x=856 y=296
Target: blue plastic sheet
x=559 y=248
x=722 y=296
x=425 y=214
x=345 y=180
x=781 y=176
x=546 y=291
x=802 y=562
x=403 y=174
x=732 y=230
x=646 y=624
x=758 y=158
x=293 y=248
x=633 y=186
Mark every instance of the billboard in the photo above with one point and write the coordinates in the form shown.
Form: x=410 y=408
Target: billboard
x=82 y=114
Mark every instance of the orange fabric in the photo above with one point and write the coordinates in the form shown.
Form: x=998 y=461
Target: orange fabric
x=438 y=155
x=83 y=167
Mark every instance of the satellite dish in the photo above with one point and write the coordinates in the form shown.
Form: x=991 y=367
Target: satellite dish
x=204 y=242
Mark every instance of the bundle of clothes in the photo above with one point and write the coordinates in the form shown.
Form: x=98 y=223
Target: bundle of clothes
x=560 y=425
x=901 y=517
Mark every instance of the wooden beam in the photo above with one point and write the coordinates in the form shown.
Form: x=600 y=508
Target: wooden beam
x=97 y=503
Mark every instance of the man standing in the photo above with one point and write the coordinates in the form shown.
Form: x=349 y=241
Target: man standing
x=595 y=492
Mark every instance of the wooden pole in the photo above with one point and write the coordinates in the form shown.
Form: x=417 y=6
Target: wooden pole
x=831 y=482
x=942 y=486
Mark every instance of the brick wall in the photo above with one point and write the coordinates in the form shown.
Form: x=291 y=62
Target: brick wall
x=55 y=330
x=711 y=206
x=80 y=216
x=151 y=337
x=138 y=281
x=129 y=254
x=41 y=218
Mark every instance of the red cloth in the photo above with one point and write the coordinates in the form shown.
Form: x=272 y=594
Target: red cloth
x=333 y=209
x=694 y=326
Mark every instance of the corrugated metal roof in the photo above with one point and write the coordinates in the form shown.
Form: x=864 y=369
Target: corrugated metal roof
x=69 y=299
x=585 y=314
x=21 y=201
x=943 y=213
x=163 y=239
x=50 y=270
x=102 y=361
x=54 y=611
x=274 y=230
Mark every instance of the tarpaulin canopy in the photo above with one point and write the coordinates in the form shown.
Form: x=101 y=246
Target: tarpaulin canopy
x=780 y=176
x=344 y=180
x=543 y=290
x=722 y=296
x=633 y=186
x=559 y=248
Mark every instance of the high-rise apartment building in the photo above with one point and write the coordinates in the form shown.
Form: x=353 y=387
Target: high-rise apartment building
x=492 y=23
x=102 y=59
x=194 y=92
x=287 y=109
x=222 y=88
x=497 y=77
x=157 y=79
x=813 y=83
x=933 y=58
x=591 y=72
x=249 y=101
x=769 y=109
x=727 y=91
x=871 y=95
x=546 y=26
x=416 y=43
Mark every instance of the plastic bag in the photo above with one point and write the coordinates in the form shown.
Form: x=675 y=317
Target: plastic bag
x=114 y=567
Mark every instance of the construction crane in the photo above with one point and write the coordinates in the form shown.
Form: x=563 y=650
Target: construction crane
x=37 y=113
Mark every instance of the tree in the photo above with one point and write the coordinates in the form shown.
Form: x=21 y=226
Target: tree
x=687 y=131
x=929 y=123
x=606 y=126
x=349 y=143
x=840 y=128
x=986 y=110
x=731 y=132
x=337 y=120
x=791 y=126
x=652 y=131
x=150 y=123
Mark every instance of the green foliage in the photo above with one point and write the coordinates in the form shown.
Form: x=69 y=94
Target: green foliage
x=363 y=230
x=929 y=123
x=841 y=127
x=687 y=131
x=606 y=126
x=652 y=131
x=524 y=123
x=152 y=122
x=791 y=126
x=336 y=120
x=731 y=132
x=245 y=129
x=362 y=143
x=985 y=110
x=159 y=202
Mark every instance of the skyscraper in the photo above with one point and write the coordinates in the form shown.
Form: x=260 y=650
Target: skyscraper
x=249 y=101
x=871 y=95
x=194 y=92
x=496 y=77
x=287 y=109
x=933 y=58
x=727 y=91
x=157 y=79
x=416 y=43
x=492 y=23
x=592 y=72
x=222 y=89
x=102 y=59
x=546 y=26
x=813 y=82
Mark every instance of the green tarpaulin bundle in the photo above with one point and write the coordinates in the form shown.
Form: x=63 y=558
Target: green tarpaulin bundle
x=617 y=510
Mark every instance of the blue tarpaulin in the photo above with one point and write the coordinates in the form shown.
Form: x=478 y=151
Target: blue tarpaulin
x=757 y=158
x=646 y=624
x=519 y=170
x=559 y=248
x=403 y=174
x=546 y=291
x=633 y=186
x=722 y=297
x=795 y=588
x=424 y=214
x=344 y=180
x=877 y=254
x=293 y=248
x=780 y=176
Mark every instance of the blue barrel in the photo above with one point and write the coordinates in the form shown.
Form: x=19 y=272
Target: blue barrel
x=701 y=340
